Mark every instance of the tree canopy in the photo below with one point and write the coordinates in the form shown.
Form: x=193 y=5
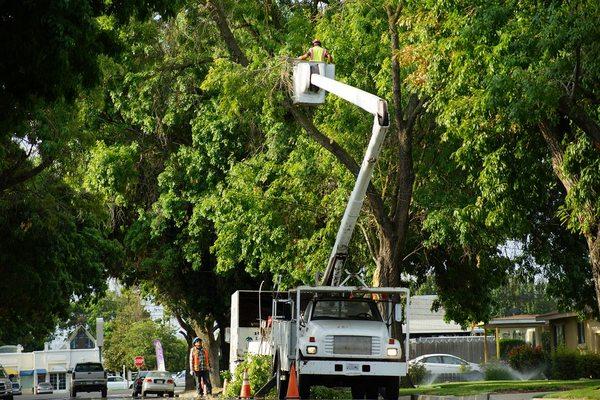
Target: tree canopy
x=212 y=180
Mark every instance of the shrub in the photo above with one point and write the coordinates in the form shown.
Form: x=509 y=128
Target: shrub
x=589 y=366
x=259 y=371
x=417 y=373
x=525 y=357
x=325 y=393
x=565 y=364
x=495 y=371
x=506 y=345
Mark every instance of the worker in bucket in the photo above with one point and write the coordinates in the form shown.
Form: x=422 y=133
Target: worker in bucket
x=317 y=53
x=200 y=366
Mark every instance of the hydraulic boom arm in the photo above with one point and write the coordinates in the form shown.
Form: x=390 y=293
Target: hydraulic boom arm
x=378 y=108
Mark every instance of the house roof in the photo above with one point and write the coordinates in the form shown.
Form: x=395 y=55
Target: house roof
x=74 y=334
x=424 y=321
x=527 y=320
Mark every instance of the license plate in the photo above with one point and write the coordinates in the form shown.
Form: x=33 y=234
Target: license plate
x=159 y=381
x=352 y=367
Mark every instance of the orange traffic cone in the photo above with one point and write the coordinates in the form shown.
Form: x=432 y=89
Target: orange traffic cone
x=246 y=392
x=292 y=392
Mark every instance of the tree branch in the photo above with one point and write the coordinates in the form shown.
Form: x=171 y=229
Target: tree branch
x=374 y=199
x=12 y=178
x=220 y=19
x=581 y=119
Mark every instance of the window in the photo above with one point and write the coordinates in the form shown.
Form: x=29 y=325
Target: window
x=433 y=360
x=559 y=335
x=580 y=332
x=58 y=380
x=346 y=309
x=89 y=367
x=452 y=360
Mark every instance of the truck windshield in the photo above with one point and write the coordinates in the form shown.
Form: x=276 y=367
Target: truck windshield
x=346 y=309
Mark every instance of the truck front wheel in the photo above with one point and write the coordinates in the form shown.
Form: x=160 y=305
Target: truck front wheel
x=392 y=389
x=304 y=386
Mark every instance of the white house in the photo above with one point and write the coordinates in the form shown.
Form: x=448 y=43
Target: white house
x=426 y=323
x=49 y=365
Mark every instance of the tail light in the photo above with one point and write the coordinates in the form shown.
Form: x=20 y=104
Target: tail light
x=170 y=381
x=312 y=339
x=148 y=380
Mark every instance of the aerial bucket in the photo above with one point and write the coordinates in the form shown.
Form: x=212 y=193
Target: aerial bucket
x=304 y=92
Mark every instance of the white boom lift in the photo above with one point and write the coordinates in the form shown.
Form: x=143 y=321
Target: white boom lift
x=308 y=79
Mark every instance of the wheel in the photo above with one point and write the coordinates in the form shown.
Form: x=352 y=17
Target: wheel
x=392 y=390
x=372 y=392
x=304 y=386
x=358 y=392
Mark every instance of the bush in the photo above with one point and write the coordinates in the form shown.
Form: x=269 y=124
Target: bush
x=565 y=364
x=495 y=371
x=506 y=345
x=259 y=372
x=525 y=357
x=417 y=373
x=589 y=366
x=325 y=393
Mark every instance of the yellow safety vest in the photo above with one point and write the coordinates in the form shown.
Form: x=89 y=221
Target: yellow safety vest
x=317 y=54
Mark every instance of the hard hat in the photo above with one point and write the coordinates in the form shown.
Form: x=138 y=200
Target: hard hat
x=316 y=41
x=196 y=339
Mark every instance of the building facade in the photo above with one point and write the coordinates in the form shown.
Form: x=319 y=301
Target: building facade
x=47 y=365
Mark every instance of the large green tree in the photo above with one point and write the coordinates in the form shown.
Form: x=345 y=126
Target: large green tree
x=515 y=85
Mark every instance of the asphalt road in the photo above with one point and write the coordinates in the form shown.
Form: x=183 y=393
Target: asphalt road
x=113 y=394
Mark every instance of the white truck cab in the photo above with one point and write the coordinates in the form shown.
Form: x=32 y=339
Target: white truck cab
x=340 y=337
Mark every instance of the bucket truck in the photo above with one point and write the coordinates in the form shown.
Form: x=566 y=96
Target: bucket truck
x=339 y=334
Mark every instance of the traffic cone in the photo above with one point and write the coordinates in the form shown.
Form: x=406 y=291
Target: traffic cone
x=246 y=392
x=292 y=391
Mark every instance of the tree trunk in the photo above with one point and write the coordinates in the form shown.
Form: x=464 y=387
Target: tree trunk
x=204 y=332
x=552 y=136
x=594 y=249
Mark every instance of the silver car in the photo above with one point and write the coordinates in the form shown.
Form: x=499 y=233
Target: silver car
x=159 y=383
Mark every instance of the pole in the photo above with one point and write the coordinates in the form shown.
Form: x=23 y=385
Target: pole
x=497 y=343
x=485 y=346
x=100 y=353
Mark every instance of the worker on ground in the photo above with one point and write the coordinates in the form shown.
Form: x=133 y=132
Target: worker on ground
x=200 y=366
x=317 y=53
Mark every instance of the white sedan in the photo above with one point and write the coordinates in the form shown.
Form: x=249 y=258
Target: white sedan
x=117 y=383
x=447 y=364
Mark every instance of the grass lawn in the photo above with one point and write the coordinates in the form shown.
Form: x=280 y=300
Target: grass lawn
x=587 y=393
x=478 y=387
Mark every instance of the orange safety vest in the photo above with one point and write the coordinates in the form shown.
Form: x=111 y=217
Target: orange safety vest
x=196 y=358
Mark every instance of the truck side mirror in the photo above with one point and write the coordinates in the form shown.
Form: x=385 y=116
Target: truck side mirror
x=398 y=312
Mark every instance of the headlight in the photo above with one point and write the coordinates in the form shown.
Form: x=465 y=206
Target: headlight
x=392 y=352
x=311 y=349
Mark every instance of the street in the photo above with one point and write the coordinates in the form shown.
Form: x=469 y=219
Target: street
x=113 y=394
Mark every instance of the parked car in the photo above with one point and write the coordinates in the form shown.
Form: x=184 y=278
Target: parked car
x=89 y=377
x=44 y=388
x=116 y=383
x=16 y=388
x=159 y=383
x=137 y=383
x=436 y=364
x=5 y=385
x=179 y=379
